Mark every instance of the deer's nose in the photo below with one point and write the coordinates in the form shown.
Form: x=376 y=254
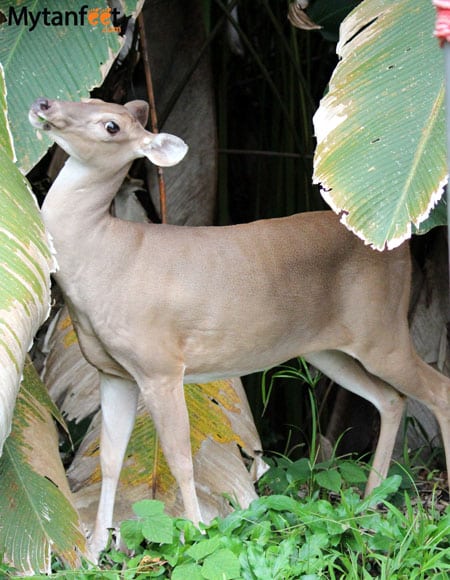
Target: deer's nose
x=42 y=104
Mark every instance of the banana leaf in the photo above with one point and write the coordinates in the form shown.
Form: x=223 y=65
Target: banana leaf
x=25 y=264
x=37 y=512
x=380 y=156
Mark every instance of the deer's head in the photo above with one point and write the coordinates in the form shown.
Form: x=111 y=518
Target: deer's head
x=105 y=135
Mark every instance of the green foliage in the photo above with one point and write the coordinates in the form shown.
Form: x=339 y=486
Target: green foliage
x=152 y=524
x=25 y=263
x=384 y=111
x=6 y=571
x=308 y=379
x=281 y=537
x=287 y=477
x=37 y=513
x=299 y=371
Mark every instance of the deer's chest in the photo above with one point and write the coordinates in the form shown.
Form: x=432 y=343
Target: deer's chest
x=94 y=347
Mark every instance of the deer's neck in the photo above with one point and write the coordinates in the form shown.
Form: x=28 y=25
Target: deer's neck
x=76 y=212
x=80 y=198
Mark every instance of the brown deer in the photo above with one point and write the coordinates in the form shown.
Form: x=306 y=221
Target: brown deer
x=155 y=306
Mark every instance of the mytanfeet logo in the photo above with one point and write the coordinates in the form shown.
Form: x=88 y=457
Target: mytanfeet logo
x=107 y=18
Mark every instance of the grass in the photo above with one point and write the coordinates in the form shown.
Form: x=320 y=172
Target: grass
x=327 y=533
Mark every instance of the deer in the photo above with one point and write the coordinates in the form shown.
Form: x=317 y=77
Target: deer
x=156 y=306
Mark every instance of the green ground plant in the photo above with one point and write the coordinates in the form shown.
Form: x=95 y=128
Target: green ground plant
x=282 y=536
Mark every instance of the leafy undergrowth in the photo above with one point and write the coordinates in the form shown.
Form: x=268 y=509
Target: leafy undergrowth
x=331 y=532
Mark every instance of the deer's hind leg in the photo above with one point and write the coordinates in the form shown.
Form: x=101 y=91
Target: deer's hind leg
x=439 y=393
x=401 y=367
x=350 y=374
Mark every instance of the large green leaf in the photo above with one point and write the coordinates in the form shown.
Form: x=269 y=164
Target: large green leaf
x=64 y=62
x=25 y=263
x=380 y=130
x=37 y=515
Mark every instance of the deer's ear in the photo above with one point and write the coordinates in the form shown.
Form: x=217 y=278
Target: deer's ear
x=164 y=149
x=139 y=110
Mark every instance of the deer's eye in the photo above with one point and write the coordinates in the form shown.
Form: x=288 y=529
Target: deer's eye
x=112 y=127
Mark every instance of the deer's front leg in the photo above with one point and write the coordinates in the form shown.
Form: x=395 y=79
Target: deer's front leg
x=164 y=398
x=119 y=403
